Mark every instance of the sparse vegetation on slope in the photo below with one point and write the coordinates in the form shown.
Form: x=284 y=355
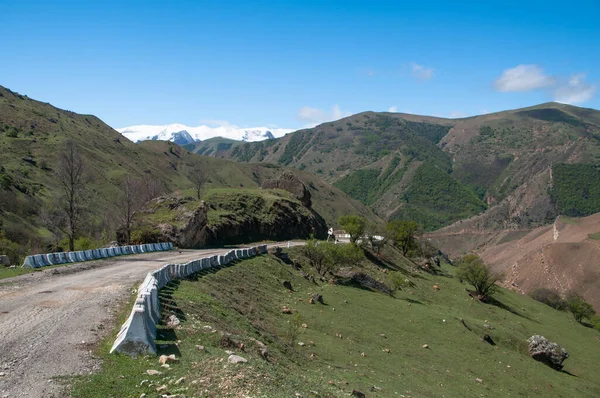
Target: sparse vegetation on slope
x=357 y=340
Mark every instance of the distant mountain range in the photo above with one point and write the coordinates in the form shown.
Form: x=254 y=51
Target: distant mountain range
x=184 y=135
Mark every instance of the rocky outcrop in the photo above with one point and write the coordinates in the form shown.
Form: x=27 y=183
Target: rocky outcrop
x=546 y=351
x=289 y=182
x=227 y=218
x=181 y=221
x=252 y=219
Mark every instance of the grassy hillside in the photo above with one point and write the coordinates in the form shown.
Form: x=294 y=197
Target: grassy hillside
x=368 y=156
x=32 y=135
x=359 y=340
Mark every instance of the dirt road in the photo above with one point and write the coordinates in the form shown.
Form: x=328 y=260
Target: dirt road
x=50 y=320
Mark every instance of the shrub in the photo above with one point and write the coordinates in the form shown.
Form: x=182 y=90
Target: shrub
x=549 y=297
x=13 y=250
x=327 y=257
x=473 y=270
x=397 y=280
x=580 y=308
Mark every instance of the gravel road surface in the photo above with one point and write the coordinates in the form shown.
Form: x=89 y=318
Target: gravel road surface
x=50 y=320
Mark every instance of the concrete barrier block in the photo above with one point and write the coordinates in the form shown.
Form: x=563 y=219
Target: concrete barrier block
x=135 y=338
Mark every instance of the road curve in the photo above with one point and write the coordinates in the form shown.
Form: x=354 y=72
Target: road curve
x=49 y=320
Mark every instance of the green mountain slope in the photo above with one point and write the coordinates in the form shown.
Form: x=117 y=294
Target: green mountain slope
x=32 y=134
x=358 y=340
x=502 y=158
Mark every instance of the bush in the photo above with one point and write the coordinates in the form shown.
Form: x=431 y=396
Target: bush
x=549 y=297
x=473 y=270
x=13 y=250
x=397 y=281
x=580 y=308
x=327 y=257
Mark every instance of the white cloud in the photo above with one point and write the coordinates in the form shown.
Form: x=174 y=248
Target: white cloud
x=314 y=116
x=393 y=109
x=421 y=72
x=523 y=78
x=575 y=90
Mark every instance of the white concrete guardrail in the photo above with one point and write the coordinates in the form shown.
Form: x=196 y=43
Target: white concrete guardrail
x=43 y=260
x=138 y=333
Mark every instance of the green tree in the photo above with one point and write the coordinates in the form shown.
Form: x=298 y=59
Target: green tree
x=314 y=251
x=580 y=308
x=375 y=237
x=353 y=225
x=403 y=234
x=473 y=270
x=327 y=257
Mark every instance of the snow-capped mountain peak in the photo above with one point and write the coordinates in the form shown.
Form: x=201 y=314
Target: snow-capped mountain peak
x=182 y=134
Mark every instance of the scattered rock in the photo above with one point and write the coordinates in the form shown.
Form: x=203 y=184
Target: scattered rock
x=162 y=388
x=173 y=321
x=288 y=285
x=386 y=350
x=349 y=277
x=488 y=339
x=358 y=394
x=286 y=310
x=166 y=366
x=180 y=380
x=425 y=345
x=236 y=359
x=304 y=325
x=546 y=351
x=317 y=298
x=301 y=344
x=478 y=380
x=153 y=372
x=164 y=359
x=362 y=354
x=382 y=335
x=436 y=287
x=200 y=348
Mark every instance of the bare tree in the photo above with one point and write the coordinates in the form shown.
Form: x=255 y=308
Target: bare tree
x=152 y=188
x=130 y=201
x=198 y=178
x=72 y=177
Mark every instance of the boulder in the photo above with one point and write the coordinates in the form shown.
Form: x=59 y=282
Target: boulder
x=317 y=298
x=236 y=359
x=173 y=321
x=289 y=182
x=288 y=285
x=546 y=351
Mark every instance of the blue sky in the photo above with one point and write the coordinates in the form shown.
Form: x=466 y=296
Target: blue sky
x=296 y=63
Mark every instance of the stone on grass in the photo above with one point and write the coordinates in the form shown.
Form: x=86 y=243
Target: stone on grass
x=358 y=394
x=236 y=359
x=180 y=380
x=317 y=298
x=164 y=359
x=288 y=285
x=173 y=321
x=547 y=352
x=200 y=348
x=153 y=372
x=286 y=310
x=425 y=345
